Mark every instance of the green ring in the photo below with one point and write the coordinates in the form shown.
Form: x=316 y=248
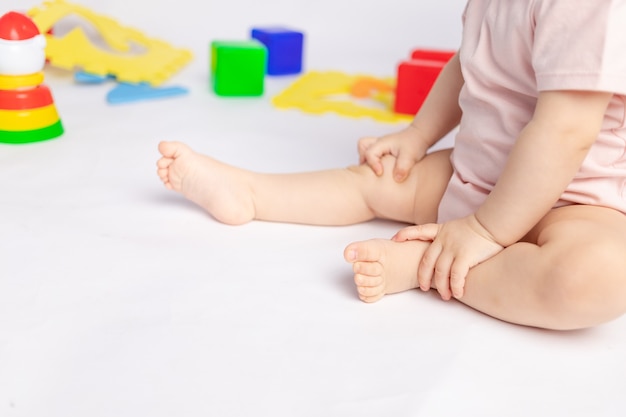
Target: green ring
x=29 y=136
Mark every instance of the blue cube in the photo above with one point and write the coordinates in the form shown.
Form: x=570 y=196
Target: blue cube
x=284 y=49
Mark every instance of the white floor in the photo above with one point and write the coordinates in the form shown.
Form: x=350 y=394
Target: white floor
x=120 y=299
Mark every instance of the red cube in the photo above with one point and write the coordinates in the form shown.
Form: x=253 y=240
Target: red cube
x=432 y=55
x=416 y=77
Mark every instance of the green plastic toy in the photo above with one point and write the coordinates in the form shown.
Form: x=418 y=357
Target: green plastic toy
x=238 y=68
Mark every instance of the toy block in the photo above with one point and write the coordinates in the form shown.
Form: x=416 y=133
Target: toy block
x=238 y=68
x=416 y=77
x=432 y=55
x=284 y=48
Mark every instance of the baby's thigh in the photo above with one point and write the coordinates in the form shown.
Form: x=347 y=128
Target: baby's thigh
x=416 y=199
x=577 y=224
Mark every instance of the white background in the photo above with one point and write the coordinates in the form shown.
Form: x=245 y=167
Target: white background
x=120 y=299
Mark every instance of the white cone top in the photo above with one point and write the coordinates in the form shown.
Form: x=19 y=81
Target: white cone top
x=22 y=46
x=22 y=57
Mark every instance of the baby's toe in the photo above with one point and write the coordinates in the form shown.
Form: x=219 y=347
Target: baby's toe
x=367 y=251
x=372 y=298
x=164 y=162
x=368 y=281
x=368 y=268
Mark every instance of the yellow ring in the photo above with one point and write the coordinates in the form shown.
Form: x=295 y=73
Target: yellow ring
x=14 y=82
x=19 y=120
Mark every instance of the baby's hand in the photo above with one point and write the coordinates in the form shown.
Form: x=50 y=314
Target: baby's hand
x=404 y=145
x=456 y=247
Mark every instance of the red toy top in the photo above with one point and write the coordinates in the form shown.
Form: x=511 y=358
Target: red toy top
x=17 y=27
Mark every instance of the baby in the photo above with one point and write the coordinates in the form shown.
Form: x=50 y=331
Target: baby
x=524 y=218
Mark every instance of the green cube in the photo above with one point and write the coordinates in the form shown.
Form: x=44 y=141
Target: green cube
x=238 y=68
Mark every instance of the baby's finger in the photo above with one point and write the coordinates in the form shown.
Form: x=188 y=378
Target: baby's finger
x=373 y=160
x=426 y=267
x=366 y=142
x=363 y=145
x=458 y=274
x=427 y=231
x=457 y=281
x=403 y=167
x=442 y=275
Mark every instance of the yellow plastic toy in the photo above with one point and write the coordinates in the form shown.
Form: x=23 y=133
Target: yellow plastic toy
x=336 y=92
x=157 y=62
x=31 y=119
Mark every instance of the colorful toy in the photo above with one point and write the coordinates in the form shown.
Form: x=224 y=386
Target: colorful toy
x=416 y=77
x=156 y=63
x=126 y=93
x=336 y=92
x=27 y=110
x=284 y=49
x=432 y=55
x=365 y=87
x=82 y=77
x=238 y=67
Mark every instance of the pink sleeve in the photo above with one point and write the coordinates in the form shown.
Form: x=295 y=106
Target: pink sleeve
x=580 y=45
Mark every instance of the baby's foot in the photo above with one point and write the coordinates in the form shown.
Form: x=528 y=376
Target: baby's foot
x=220 y=189
x=384 y=267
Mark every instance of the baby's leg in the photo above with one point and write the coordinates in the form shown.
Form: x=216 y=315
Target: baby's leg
x=332 y=197
x=569 y=273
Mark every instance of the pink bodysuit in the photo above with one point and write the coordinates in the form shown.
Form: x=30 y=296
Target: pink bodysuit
x=511 y=50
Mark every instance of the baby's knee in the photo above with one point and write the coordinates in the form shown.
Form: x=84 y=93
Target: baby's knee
x=585 y=288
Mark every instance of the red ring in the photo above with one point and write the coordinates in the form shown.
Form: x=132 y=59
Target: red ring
x=32 y=98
